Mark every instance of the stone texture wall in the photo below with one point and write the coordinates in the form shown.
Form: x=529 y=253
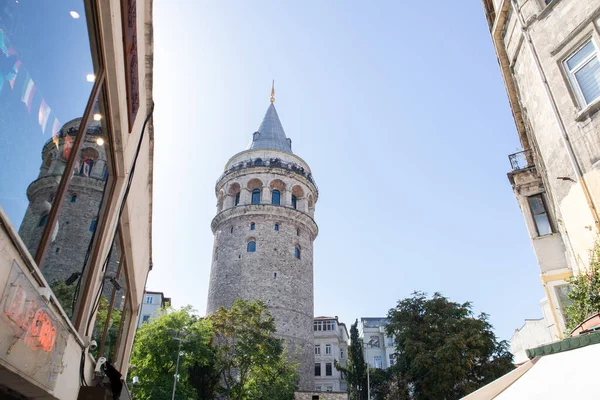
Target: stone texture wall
x=272 y=273
x=321 y=396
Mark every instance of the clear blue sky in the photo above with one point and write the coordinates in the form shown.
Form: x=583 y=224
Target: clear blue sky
x=400 y=110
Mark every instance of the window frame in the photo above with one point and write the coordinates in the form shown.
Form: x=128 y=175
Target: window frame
x=255 y=192
x=328 y=349
x=236 y=201
x=273 y=192
x=294 y=202
x=297 y=252
x=317 y=349
x=329 y=368
x=570 y=72
x=318 y=368
x=253 y=243
x=547 y=212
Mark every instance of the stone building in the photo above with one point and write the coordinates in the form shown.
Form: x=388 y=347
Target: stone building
x=79 y=217
x=264 y=232
x=548 y=53
x=331 y=344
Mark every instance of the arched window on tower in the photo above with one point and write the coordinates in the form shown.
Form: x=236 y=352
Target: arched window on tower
x=256 y=196
x=73 y=198
x=294 y=201
x=275 y=197
x=43 y=220
x=297 y=252
x=277 y=227
x=237 y=199
x=252 y=226
x=251 y=248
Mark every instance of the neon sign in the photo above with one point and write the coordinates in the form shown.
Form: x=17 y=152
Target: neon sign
x=39 y=329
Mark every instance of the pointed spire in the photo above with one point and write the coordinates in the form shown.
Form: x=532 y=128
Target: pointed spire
x=273 y=92
x=270 y=134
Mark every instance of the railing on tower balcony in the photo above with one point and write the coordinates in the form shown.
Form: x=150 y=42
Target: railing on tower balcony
x=521 y=160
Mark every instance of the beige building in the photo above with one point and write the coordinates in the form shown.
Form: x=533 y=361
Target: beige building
x=76 y=160
x=549 y=57
x=331 y=345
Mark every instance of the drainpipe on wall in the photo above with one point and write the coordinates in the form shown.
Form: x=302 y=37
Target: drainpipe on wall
x=564 y=134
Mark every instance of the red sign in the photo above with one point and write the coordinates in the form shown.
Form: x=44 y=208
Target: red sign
x=39 y=329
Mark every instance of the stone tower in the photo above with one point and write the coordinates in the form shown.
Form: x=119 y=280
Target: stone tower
x=264 y=232
x=77 y=218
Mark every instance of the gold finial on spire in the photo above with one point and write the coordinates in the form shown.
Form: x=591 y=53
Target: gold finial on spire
x=273 y=92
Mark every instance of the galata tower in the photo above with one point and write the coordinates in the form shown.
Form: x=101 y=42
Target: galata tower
x=264 y=232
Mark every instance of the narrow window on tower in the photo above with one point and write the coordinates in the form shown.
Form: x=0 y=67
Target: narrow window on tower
x=275 y=197
x=231 y=230
x=251 y=246
x=540 y=214
x=237 y=199
x=274 y=275
x=277 y=227
x=256 y=196
x=252 y=226
x=294 y=201
x=73 y=198
x=297 y=252
x=43 y=220
x=216 y=253
x=93 y=225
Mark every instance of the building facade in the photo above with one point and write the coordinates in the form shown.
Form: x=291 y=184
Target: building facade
x=152 y=304
x=331 y=345
x=533 y=333
x=548 y=52
x=264 y=232
x=84 y=216
x=379 y=348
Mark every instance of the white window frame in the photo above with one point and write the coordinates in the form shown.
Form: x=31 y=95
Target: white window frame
x=571 y=72
x=317 y=349
x=328 y=349
x=149 y=299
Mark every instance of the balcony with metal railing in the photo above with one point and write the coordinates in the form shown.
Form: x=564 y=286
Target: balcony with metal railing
x=521 y=160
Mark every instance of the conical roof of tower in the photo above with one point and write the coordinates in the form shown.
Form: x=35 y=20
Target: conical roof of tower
x=270 y=134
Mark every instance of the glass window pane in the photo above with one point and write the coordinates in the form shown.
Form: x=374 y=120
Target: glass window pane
x=536 y=204
x=588 y=78
x=256 y=196
x=581 y=55
x=275 y=197
x=45 y=59
x=542 y=224
x=251 y=247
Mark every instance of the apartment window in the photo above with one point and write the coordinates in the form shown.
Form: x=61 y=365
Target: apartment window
x=145 y=318
x=377 y=362
x=237 y=199
x=317 y=369
x=328 y=369
x=328 y=349
x=318 y=326
x=294 y=201
x=583 y=68
x=317 y=389
x=149 y=299
x=317 y=349
x=252 y=226
x=256 y=196
x=297 y=252
x=275 y=197
x=251 y=248
x=392 y=359
x=540 y=214
x=390 y=342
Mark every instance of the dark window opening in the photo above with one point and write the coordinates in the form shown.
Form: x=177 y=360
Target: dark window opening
x=252 y=226
x=73 y=198
x=540 y=214
x=294 y=201
x=93 y=225
x=256 y=196
x=43 y=220
x=237 y=199
x=231 y=231
x=251 y=247
x=297 y=252
x=317 y=369
x=277 y=227
x=274 y=275
x=328 y=370
x=275 y=197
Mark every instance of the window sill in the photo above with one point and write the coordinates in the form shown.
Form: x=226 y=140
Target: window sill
x=588 y=111
x=547 y=9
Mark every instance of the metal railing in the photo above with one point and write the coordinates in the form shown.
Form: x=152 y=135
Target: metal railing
x=521 y=160
x=273 y=162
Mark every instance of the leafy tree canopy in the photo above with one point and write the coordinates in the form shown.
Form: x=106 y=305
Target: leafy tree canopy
x=584 y=293
x=443 y=350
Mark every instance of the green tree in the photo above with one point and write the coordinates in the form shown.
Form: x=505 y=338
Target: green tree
x=443 y=350
x=251 y=362
x=113 y=328
x=356 y=371
x=584 y=293
x=64 y=294
x=155 y=351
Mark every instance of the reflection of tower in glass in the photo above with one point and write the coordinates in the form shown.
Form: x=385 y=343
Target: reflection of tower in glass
x=78 y=216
